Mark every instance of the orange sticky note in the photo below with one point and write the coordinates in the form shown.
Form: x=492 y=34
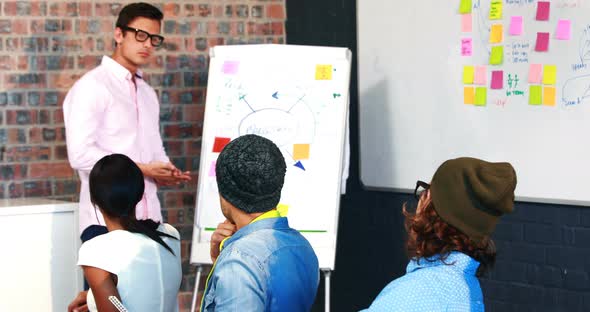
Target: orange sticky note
x=468 y=95
x=323 y=72
x=497 y=33
x=300 y=151
x=549 y=96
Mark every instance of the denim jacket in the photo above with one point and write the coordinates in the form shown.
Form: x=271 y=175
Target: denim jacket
x=434 y=285
x=265 y=266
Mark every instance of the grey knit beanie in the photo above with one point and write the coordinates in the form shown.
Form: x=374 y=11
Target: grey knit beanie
x=250 y=173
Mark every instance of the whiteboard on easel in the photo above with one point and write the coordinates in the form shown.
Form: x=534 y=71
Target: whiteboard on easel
x=296 y=96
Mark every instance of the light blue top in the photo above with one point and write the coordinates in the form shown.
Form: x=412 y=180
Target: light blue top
x=265 y=266
x=434 y=286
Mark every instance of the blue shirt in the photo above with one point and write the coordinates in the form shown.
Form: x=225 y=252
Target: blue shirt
x=434 y=286
x=265 y=266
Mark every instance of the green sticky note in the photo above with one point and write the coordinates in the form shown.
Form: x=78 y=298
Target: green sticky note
x=468 y=74
x=465 y=7
x=497 y=55
x=480 y=96
x=549 y=74
x=535 y=95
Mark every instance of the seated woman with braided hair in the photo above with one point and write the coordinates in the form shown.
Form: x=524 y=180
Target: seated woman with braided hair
x=137 y=261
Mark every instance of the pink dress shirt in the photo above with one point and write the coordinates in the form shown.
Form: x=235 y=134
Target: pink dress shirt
x=106 y=113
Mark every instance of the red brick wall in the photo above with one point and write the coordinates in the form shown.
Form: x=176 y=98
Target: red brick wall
x=46 y=45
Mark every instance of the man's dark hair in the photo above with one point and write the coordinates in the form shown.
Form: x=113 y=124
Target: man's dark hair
x=139 y=9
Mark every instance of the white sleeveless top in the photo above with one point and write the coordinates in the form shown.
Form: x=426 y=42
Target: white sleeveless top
x=148 y=275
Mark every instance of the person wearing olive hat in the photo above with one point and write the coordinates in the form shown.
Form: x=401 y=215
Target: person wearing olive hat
x=260 y=263
x=449 y=242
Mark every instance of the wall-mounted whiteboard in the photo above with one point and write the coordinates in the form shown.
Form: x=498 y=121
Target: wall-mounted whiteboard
x=297 y=96
x=416 y=91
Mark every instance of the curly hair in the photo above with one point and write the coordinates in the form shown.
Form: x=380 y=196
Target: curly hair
x=431 y=238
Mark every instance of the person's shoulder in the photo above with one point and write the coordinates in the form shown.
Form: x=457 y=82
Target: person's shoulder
x=169 y=229
x=92 y=80
x=407 y=293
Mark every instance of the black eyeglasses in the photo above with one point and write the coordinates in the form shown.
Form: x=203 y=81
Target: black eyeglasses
x=421 y=186
x=142 y=36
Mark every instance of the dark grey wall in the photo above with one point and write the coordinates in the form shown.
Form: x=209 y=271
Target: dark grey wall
x=543 y=250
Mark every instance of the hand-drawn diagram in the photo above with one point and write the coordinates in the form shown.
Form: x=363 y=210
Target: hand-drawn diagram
x=576 y=90
x=286 y=119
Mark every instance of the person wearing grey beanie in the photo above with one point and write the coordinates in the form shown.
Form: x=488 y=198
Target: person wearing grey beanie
x=260 y=263
x=449 y=240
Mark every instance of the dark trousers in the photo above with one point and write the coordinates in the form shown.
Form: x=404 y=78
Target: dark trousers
x=88 y=234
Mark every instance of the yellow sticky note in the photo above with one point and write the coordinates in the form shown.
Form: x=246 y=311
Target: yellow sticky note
x=535 y=95
x=481 y=96
x=465 y=6
x=300 y=151
x=283 y=209
x=549 y=74
x=469 y=95
x=496 y=10
x=468 y=74
x=497 y=55
x=497 y=33
x=549 y=96
x=323 y=72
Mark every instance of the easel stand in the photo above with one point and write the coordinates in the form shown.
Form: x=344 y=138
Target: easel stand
x=196 y=291
x=327 y=274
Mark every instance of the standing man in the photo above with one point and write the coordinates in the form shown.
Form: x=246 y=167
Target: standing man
x=265 y=265
x=111 y=109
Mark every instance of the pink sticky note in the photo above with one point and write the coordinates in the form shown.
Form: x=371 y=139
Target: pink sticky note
x=536 y=73
x=497 y=79
x=543 y=10
x=466 y=47
x=212 y=168
x=230 y=67
x=564 y=30
x=542 y=44
x=480 y=75
x=466 y=22
x=516 y=25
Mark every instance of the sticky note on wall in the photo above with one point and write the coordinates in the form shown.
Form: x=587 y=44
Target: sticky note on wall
x=542 y=44
x=497 y=33
x=497 y=79
x=564 y=29
x=468 y=73
x=549 y=96
x=535 y=73
x=323 y=72
x=465 y=6
x=469 y=95
x=480 y=75
x=496 y=10
x=466 y=23
x=497 y=55
x=466 y=47
x=543 y=9
x=481 y=96
x=535 y=95
x=549 y=74
x=516 y=25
